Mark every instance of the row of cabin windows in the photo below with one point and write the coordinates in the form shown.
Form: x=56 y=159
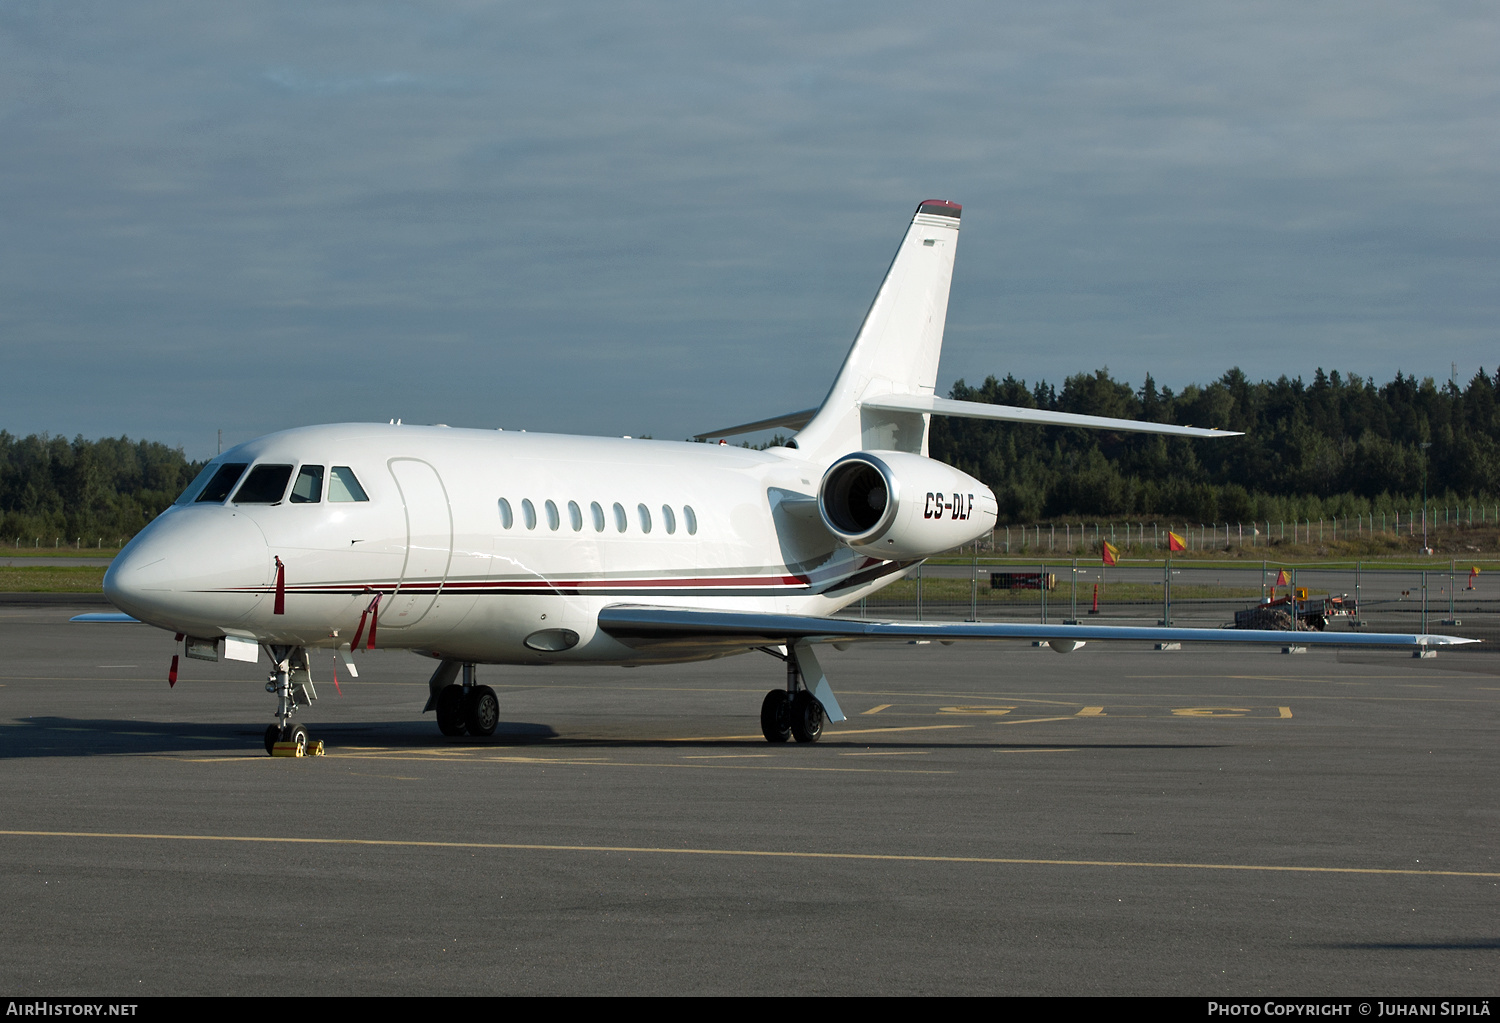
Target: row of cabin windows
x=596 y=514
x=266 y=484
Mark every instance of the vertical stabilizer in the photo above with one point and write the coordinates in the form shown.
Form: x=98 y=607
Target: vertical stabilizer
x=897 y=348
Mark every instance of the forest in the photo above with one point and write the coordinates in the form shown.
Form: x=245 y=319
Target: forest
x=87 y=491
x=1338 y=446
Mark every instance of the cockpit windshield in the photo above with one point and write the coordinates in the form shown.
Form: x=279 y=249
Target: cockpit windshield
x=266 y=484
x=223 y=482
x=198 y=481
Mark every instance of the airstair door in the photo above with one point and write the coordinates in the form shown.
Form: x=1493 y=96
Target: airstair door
x=429 y=543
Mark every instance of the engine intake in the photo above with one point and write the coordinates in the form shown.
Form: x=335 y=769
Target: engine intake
x=895 y=504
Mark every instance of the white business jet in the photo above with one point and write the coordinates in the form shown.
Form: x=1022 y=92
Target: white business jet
x=490 y=547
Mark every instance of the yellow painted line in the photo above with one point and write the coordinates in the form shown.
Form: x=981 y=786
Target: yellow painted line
x=996 y=711
x=645 y=763
x=1033 y=721
x=725 y=756
x=787 y=854
x=1060 y=749
x=881 y=731
x=1090 y=712
x=1286 y=712
x=877 y=710
x=891 y=753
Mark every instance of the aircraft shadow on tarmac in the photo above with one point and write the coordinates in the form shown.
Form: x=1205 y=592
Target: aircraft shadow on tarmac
x=79 y=737
x=1472 y=945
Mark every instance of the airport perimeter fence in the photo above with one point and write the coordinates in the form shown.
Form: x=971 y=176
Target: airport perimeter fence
x=1084 y=537
x=1460 y=598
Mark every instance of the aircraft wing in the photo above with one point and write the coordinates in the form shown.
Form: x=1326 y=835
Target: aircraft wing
x=665 y=628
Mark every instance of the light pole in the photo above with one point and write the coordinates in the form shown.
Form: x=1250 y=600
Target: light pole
x=1424 y=446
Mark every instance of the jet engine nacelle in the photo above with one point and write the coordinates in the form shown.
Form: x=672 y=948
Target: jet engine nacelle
x=895 y=505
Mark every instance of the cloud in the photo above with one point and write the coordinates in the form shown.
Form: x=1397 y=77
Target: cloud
x=654 y=218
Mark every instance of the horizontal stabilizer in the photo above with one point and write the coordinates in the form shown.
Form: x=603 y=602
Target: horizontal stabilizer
x=1015 y=414
x=791 y=421
x=641 y=626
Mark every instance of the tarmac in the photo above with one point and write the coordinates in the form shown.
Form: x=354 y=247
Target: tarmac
x=992 y=819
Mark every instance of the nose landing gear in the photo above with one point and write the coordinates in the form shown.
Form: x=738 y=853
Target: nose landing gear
x=291 y=681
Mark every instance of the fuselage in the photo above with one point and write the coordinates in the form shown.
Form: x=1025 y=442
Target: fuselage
x=484 y=546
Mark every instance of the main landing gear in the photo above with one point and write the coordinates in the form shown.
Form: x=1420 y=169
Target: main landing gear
x=793 y=712
x=462 y=709
x=291 y=681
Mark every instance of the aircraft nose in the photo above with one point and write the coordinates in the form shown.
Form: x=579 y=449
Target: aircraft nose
x=192 y=569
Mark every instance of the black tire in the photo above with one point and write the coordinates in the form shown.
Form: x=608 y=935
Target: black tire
x=775 y=721
x=450 y=710
x=297 y=734
x=807 y=718
x=273 y=736
x=482 y=711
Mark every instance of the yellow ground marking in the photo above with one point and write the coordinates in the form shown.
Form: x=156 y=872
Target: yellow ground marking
x=1091 y=712
x=725 y=756
x=877 y=710
x=535 y=762
x=975 y=710
x=1210 y=712
x=1286 y=712
x=1060 y=749
x=891 y=753
x=786 y=854
x=1033 y=721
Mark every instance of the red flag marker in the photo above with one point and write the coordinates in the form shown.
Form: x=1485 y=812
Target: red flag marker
x=1175 y=542
x=1111 y=554
x=279 y=608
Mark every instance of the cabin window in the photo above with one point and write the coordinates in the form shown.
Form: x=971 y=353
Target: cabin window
x=598 y=514
x=691 y=519
x=507 y=517
x=198 y=480
x=528 y=512
x=552 y=519
x=620 y=520
x=223 y=482
x=342 y=486
x=668 y=519
x=575 y=516
x=266 y=484
x=645 y=514
x=309 y=486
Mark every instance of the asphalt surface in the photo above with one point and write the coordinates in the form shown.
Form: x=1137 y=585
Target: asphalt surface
x=993 y=819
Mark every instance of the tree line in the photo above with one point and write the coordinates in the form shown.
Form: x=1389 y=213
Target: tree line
x=51 y=487
x=1339 y=446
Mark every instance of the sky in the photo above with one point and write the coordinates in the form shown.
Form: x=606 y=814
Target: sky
x=663 y=218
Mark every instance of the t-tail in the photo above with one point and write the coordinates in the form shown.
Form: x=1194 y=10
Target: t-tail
x=897 y=348
x=885 y=396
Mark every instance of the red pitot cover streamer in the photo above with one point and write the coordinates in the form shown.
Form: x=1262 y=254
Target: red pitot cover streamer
x=280 y=606
x=172 y=673
x=372 y=613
